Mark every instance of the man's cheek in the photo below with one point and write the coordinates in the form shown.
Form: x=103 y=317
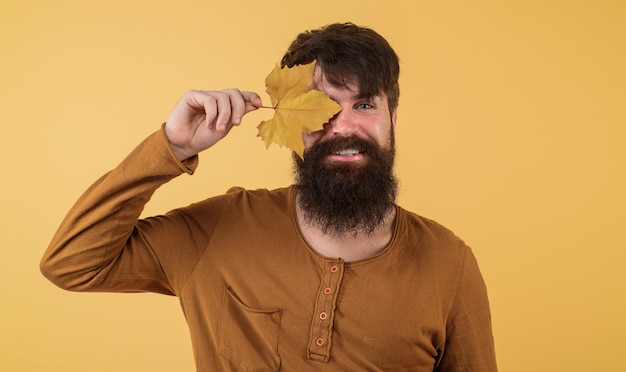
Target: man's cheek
x=310 y=139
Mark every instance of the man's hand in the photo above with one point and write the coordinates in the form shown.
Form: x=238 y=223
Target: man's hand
x=202 y=118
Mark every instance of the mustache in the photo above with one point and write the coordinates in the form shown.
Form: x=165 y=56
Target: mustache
x=337 y=144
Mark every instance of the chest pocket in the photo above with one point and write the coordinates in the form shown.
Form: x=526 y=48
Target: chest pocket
x=248 y=338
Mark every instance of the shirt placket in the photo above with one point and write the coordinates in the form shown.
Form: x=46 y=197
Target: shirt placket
x=324 y=314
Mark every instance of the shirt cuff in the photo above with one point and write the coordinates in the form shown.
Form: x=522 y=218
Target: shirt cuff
x=188 y=165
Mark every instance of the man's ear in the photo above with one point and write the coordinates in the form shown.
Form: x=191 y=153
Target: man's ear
x=394 y=117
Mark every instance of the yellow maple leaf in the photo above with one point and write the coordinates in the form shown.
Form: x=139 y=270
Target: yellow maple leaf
x=297 y=107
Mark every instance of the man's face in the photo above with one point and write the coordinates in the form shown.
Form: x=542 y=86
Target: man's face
x=345 y=182
x=365 y=118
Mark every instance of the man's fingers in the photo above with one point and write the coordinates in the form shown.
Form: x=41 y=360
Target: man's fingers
x=253 y=101
x=241 y=103
x=218 y=110
x=238 y=106
x=223 y=108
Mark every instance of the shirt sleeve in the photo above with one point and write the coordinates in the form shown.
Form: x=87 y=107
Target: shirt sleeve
x=101 y=245
x=469 y=345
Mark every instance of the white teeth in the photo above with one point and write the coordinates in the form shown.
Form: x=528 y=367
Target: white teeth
x=348 y=152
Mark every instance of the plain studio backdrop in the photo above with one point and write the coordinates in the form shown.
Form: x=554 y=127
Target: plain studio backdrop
x=511 y=132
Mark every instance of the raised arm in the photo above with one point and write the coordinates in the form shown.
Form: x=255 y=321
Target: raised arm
x=101 y=245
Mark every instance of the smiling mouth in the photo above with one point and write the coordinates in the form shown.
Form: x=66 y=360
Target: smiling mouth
x=347 y=152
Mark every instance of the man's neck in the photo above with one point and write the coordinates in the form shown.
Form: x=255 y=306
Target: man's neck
x=348 y=246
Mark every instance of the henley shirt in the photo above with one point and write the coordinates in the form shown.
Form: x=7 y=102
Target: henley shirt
x=257 y=296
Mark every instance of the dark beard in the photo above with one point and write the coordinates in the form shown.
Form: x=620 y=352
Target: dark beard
x=346 y=198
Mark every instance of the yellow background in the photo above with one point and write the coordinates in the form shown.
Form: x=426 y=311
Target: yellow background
x=511 y=132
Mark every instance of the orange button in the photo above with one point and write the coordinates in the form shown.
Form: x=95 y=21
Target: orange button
x=323 y=315
x=319 y=341
x=333 y=269
x=328 y=290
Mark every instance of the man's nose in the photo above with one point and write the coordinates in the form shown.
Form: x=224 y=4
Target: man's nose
x=343 y=124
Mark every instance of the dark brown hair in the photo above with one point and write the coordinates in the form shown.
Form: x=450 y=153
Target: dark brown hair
x=348 y=53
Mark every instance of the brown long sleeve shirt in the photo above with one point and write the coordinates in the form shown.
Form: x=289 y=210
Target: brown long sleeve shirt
x=257 y=297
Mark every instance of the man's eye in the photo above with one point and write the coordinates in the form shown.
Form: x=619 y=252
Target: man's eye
x=364 y=106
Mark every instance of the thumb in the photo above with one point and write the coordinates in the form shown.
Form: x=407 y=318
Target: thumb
x=253 y=101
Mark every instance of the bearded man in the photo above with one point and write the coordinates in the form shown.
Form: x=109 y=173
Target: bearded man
x=327 y=274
